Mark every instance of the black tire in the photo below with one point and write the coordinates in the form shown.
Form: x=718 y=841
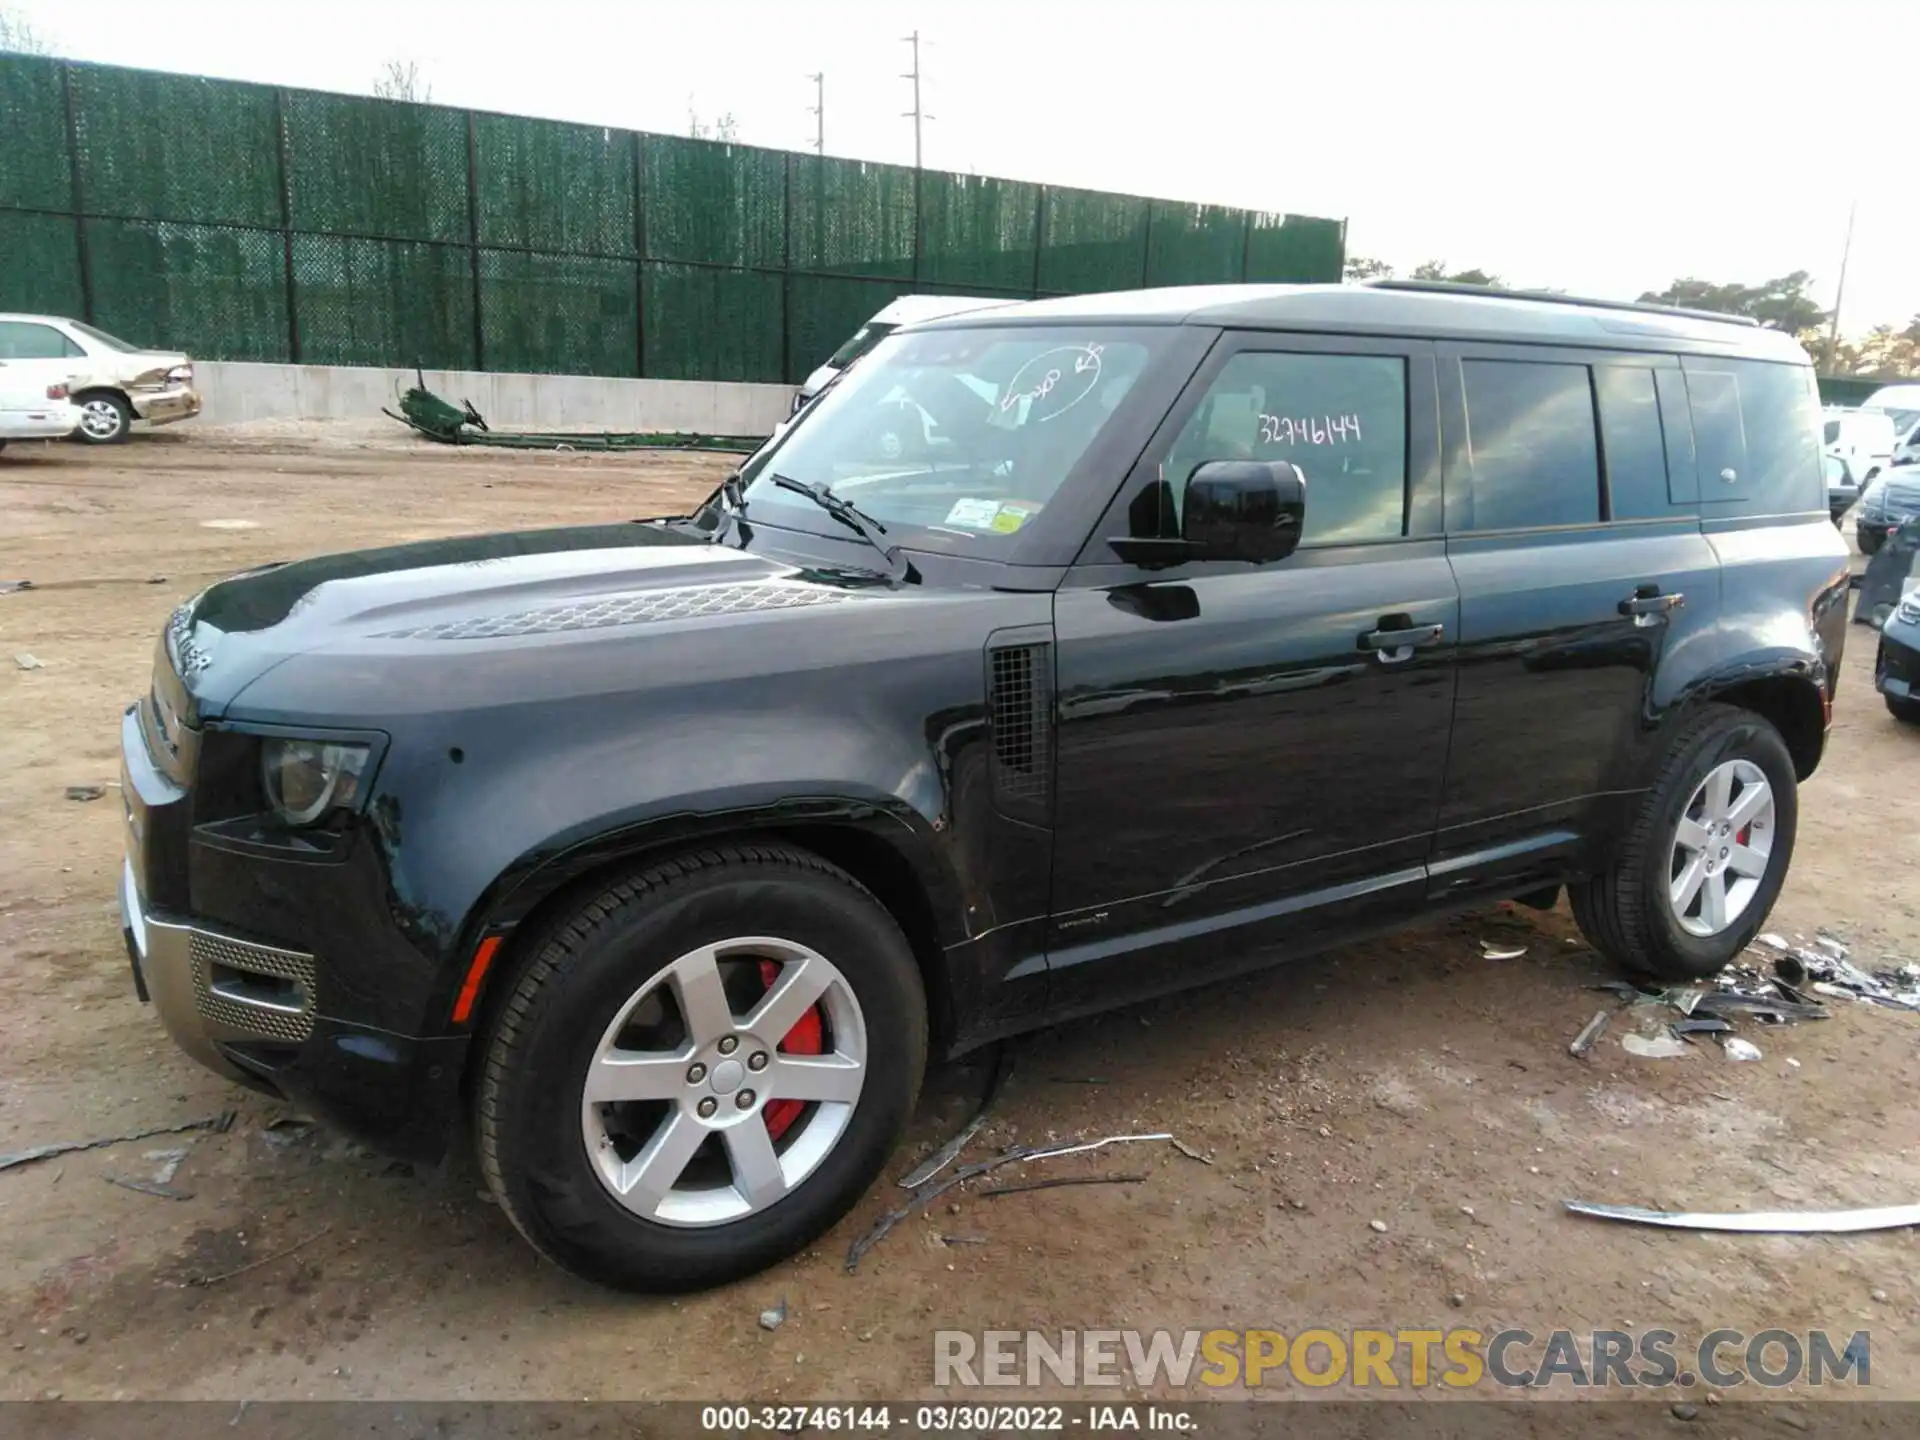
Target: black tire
x=572 y=982
x=1903 y=708
x=1624 y=912
x=1869 y=541
x=108 y=419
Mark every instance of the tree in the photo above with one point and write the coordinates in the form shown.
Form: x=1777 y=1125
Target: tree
x=17 y=35
x=1781 y=304
x=724 y=129
x=401 y=80
x=1360 y=267
x=1437 y=270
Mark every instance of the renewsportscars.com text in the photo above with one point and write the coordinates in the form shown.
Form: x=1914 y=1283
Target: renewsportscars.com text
x=1399 y=1359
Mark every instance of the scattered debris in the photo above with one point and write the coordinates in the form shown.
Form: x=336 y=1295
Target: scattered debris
x=1824 y=967
x=1491 y=951
x=1593 y=1030
x=219 y=1124
x=949 y=1152
x=1760 y=1222
x=1075 y=1080
x=951 y=1240
x=1188 y=1151
x=927 y=1194
x=1653 y=1047
x=148 y=1187
x=1058 y=1181
x=7 y=587
x=1700 y=1026
x=203 y=1281
x=428 y=415
x=85 y=792
x=287 y=1130
x=1738 y=1049
x=776 y=1317
x=1684 y=1410
x=1728 y=1004
x=229 y=524
x=27 y=662
x=1379 y=1227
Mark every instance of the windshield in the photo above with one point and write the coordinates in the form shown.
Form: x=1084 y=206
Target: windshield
x=963 y=435
x=112 y=342
x=863 y=340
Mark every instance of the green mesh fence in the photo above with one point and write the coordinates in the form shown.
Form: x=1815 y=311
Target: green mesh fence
x=1091 y=241
x=708 y=324
x=722 y=204
x=39 y=263
x=1195 y=244
x=34 y=171
x=592 y=251
x=377 y=167
x=548 y=186
x=558 y=314
x=978 y=232
x=205 y=289
x=383 y=302
x=215 y=157
x=852 y=218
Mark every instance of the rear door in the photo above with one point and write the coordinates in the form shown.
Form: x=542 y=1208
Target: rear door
x=1580 y=561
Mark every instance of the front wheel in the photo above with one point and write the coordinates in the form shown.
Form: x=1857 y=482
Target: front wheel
x=1705 y=858
x=105 y=418
x=701 y=1069
x=1904 y=709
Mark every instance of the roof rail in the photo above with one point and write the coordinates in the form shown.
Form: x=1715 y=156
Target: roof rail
x=1548 y=297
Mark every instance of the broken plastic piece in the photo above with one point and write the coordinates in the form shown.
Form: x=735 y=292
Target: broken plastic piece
x=1738 y=1049
x=1760 y=1222
x=1653 y=1047
x=1490 y=951
x=1592 y=1031
x=949 y=1152
x=1700 y=1026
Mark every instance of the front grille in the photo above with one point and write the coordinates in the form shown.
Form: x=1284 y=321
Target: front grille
x=1909 y=610
x=253 y=989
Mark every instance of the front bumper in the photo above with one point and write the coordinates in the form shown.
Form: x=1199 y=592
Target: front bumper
x=1896 y=665
x=163 y=407
x=256 y=1013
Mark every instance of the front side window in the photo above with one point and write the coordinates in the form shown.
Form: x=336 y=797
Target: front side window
x=1341 y=418
x=25 y=340
x=1530 y=430
x=958 y=437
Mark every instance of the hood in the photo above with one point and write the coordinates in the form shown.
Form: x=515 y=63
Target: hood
x=496 y=591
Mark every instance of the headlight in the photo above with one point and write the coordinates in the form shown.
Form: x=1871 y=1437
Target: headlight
x=181 y=374
x=305 y=779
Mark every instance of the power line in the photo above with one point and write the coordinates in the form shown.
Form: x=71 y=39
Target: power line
x=917 y=115
x=819 y=112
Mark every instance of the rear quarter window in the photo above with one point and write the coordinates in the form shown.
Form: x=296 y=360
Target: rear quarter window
x=1757 y=426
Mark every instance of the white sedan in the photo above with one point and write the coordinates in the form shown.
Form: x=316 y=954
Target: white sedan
x=31 y=409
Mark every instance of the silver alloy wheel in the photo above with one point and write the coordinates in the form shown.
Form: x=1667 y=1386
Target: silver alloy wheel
x=717 y=1081
x=1721 y=847
x=101 y=419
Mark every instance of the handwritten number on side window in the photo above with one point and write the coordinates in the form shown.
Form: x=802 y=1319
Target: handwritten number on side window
x=1309 y=429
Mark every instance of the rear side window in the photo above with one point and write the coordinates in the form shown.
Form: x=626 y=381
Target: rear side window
x=1634 y=443
x=1757 y=427
x=1341 y=418
x=24 y=340
x=1530 y=432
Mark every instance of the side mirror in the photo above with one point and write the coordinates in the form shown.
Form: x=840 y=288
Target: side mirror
x=1251 y=510
x=1244 y=510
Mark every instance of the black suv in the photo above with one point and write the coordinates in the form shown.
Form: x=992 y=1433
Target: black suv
x=1211 y=627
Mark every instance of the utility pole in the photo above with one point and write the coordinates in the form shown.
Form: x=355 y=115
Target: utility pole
x=819 y=112
x=1840 y=290
x=916 y=114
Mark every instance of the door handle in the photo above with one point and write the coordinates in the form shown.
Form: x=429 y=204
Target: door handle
x=1647 y=604
x=1397 y=643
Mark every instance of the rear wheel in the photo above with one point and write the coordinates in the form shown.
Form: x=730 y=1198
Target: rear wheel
x=1705 y=858
x=701 y=1069
x=105 y=418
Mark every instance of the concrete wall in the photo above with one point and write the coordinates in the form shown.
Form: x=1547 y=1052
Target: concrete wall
x=235 y=392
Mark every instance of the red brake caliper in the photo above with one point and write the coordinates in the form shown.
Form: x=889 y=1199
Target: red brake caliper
x=804 y=1039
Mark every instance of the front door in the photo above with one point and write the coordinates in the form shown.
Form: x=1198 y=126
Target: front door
x=1248 y=755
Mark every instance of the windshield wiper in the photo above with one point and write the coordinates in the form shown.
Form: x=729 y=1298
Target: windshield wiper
x=851 y=516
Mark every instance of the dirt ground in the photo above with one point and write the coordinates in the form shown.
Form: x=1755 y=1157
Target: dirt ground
x=1412 y=1081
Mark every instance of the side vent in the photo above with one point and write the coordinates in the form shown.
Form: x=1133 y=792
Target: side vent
x=1020 y=722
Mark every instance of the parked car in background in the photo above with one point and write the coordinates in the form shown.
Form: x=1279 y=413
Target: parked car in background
x=1889 y=500
x=1861 y=440
x=1906 y=450
x=1901 y=401
x=112 y=381
x=1841 y=491
x=1896 y=613
x=907 y=310
x=32 y=409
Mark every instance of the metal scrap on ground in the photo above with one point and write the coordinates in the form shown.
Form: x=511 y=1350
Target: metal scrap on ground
x=219 y=1124
x=1760 y=1222
x=949 y=1152
x=427 y=414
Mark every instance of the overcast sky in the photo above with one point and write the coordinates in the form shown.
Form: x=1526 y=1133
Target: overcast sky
x=1599 y=146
